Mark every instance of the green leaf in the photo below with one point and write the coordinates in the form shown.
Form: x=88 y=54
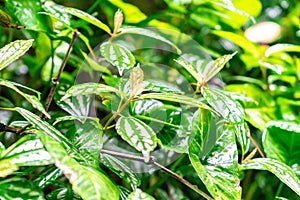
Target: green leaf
x=281 y=141
x=136 y=81
x=88 y=139
x=13 y=51
x=6 y=168
x=219 y=170
x=88 y=182
x=30 y=98
x=224 y=105
x=137 y=134
x=119 y=56
x=57 y=10
x=32 y=20
x=88 y=18
x=121 y=169
x=45 y=127
x=282 y=48
x=148 y=33
x=279 y=169
x=204 y=71
x=239 y=40
x=27 y=151
x=140 y=195
x=176 y=98
x=19 y=188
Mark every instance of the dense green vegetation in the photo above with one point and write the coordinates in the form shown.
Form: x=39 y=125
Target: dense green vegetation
x=169 y=99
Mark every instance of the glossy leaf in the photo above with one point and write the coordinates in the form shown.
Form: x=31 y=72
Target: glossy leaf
x=183 y=99
x=139 y=194
x=32 y=20
x=238 y=40
x=224 y=105
x=148 y=33
x=27 y=151
x=118 y=55
x=88 y=139
x=19 y=188
x=282 y=48
x=219 y=170
x=88 y=182
x=57 y=10
x=30 y=98
x=136 y=81
x=13 y=51
x=89 y=18
x=279 y=169
x=281 y=141
x=121 y=169
x=137 y=134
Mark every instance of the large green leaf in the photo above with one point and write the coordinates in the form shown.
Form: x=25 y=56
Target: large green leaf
x=27 y=151
x=88 y=139
x=183 y=99
x=13 y=51
x=88 y=182
x=118 y=55
x=281 y=141
x=140 y=195
x=19 y=188
x=121 y=169
x=238 y=40
x=148 y=33
x=279 y=169
x=219 y=169
x=89 y=18
x=27 y=13
x=228 y=108
x=137 y=134
x=30 y=98
x=57 y=10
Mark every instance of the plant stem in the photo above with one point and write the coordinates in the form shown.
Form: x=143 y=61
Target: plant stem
x=55 y=80
x=153 y=162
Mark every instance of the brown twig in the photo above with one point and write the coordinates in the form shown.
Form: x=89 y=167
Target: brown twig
x=153 y=162
x=55 y=82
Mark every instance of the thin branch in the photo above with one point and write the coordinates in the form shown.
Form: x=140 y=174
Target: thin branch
x=55 y=80
x=153 y=162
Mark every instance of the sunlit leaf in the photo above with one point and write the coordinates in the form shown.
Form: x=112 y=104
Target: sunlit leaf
x=238 y=40
x=28 y=151
x=224 y=105
x=281 y=141
x=279 y=169
x=30 y=98
x=119 y=56
x=7 y=168
x=148 y=33
x=13 y=51
x=137 y=134
x=57 y=10
x=121 y=169
x=89 y=18
x=219 y=169
x=176 y=98
x=88 y=182
x=19 y=188
x=282 y=48
x=139 y=194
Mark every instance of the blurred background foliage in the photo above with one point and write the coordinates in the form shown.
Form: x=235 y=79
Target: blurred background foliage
x=268 y=75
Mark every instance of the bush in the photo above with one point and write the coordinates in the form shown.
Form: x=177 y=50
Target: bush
x=149 y=99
